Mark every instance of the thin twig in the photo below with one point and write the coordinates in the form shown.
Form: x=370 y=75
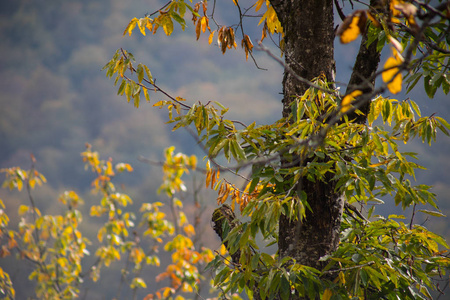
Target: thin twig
x=293 y=73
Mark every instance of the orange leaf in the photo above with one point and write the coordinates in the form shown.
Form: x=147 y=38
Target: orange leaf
x=204 y=22
x=205 y=6
x=197 y=29
x=189 y=230
x=264 y=32
x=352 y=26
x=259 y=4
x=373 y=19
x=345 y=104
x=211 y=36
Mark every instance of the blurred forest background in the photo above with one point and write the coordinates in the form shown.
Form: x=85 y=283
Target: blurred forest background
x=54 y=98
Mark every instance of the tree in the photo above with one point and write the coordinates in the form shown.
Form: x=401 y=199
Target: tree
x=326 y=153
x=57 y=246
x=329 y=154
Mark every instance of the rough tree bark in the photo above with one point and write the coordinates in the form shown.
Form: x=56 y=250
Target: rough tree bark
x=309 y=51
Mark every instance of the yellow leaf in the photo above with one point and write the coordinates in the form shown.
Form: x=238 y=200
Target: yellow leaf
x=148 y=24
x=379 y=164
x=345 y=104
x=189 y=230
x=193 y=161
x=373 y=19
x=349 y=30
x=62 y=262
x=393 y=4
x=259 y=4
x=392 y=76
x=211 y=36
x=19 y=184
x=141 y=24
x=342 y=277
x=130 y=26
x=223 y=250
x=327 y=294
x=204 y=22
x=208 y=177
x=23 y=209
x=167 y=25
x=167 y=292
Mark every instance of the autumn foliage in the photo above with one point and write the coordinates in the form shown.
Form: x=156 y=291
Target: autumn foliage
x=259 y=168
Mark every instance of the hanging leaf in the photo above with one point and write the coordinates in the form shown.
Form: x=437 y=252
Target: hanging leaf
x=167 y=25
x=130 y=26
x=211 y=37
x=352 y=27
x=247 y=45
x=348 y=99
x=392 y=76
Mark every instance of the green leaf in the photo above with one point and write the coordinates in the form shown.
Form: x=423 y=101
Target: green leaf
x=429 y=88
x=122 y=87
x=414 y=79
x=178 y=19
x=140 y=73
x=167 y=25
x=149 y=74
x=432 y=213
x=237 y=151
x=415 y=107
x=386 y=111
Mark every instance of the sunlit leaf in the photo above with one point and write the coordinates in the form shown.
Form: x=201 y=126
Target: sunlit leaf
x=352 y=26
x=348 y=99
x=131 y=26
x=392 y=76
x=432 y=213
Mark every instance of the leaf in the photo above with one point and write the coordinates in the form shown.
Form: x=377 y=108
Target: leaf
x=258 y=4
x=140 y=73
x=345 y=104
x=149 y=74
x=197 y=30
x=23 y=209
x=211 y=37
x=167 y=25
x=430 y=89
x=352 y=26
x=432 y=213
x=204 y=22
x=130 y=26
x=179 y=19
x=327 y=294
x=416 y=108
x=189 y=230
x=141 y=24
x=394 y=84
x=247 y=45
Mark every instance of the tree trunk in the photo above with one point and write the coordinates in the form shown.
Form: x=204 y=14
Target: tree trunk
x=309 y=50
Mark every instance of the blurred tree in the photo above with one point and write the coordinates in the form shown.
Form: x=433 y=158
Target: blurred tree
x=57 y=247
